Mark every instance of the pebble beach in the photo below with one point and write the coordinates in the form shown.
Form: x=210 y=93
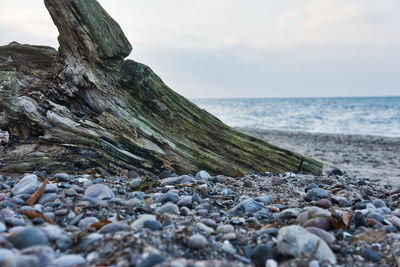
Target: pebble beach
x=262 y=219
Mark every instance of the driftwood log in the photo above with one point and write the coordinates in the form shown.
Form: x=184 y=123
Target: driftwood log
x=84 y=106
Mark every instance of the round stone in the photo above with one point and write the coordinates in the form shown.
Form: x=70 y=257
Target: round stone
x=319 y=223
x=248 y=184
x=135 y=183
x=152 y=225
x=4 y=253
x=18 y=260
x=70 y=260
x=185 y=201
x=203 y=175
x=27 y=185
x=63 y=177
x=262 y=253
x=138 y=223
x=168 y=197
x=224 y=229
x=197 y=241
x=324 y=203
x=316 y=194
x=29 y=237
x=168 y=208
x=371 y=255
x=99 y=191
x=86 y=222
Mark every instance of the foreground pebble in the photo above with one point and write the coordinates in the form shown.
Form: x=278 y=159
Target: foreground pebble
x=202 y=220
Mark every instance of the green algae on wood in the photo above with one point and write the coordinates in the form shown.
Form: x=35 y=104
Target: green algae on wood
x=93 y=108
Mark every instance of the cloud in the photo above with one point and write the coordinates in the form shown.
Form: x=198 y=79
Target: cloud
x=336 y=21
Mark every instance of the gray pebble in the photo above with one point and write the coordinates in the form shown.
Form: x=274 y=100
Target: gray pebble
x=138 y=223
x=293 y=240
x=29 y=237
x=135 y=183
x=203 y=175
x=152 y=225
x=47 y=198
x=168 y=197
x=63 y=177
x=114 y=227
x=316 y=194
x=197 y=241
x=86 y=222
x=18 y=260
x=4 y=253
x=100 y=191
x=27 y=185
x=70 y=260
x=168 y=208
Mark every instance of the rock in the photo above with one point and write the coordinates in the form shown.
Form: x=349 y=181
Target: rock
x=394 y=220
x=45 y=198
x=248 y=184
x=138 y=224
x=204 y=228
x=53 y=232
x=86 y=222
x=168 y=208
x=380 y=218
x=197 y=241
x=184 y=179
x=322 y=223
x=224 y=229
x=17 y=260
x=89 y=240
x=27 y=185
x=64 y=242
x=335 y=171
x=63 y=177
x=202 y=175
x=359 y=219
x=292 y=240
x=100 y=191
x=271 y=263
x=45 y=254
x=248 y=206
x=324 y=203
x=371 y=255
x=29 y=237
x=311 y=186
x=3 y=227
x=326 y=236
x=288 y=214
x=185 y=201
x=151 y=260
x=379 y=203
x=132 y=174
x=152 y=225
x=135 y=183
x=168 y=197
x=114 y=227
x=262 y=253
x=70 y=260
x=50 y=188
x=267 y=199
x=4 y=253
x=316 y=194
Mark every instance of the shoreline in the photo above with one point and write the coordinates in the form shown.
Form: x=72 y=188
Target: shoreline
x=362 y=156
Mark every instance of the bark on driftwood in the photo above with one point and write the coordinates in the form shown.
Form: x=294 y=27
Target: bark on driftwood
x=85 y=106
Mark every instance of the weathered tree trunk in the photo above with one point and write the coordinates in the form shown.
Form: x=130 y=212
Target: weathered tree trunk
x=85 y=106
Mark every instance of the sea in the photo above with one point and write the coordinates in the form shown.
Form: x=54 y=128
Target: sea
x=378 y=116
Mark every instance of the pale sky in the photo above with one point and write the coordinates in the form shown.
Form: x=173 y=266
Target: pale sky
x=247 y=48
